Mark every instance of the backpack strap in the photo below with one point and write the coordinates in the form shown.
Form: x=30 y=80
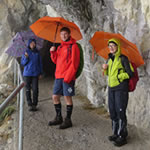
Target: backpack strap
x=69 y=51
x=107 y=60
x=59 y=47
x=126 y=64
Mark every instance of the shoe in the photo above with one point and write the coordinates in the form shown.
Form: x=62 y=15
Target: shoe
x=66 y=124
x=112 y=137
x=34 y=108
x=56 y=121
x=30 y=108
x=120 y=141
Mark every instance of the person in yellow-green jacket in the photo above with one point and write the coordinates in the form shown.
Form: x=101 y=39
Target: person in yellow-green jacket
x=119 y=72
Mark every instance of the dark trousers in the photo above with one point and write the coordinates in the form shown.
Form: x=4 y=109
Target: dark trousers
x=118 y=101
x=31 y=83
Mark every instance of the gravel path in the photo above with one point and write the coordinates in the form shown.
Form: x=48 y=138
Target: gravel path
x=89 y=131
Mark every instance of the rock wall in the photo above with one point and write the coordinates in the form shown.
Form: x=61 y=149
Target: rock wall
x=15 y=15
x=130 y=18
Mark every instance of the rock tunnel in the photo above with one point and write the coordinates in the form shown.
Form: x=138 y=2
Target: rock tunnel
x=48 y=65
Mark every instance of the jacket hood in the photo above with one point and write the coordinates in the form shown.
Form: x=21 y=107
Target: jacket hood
x=31 y=40
x=71 y=41
x=117 y=41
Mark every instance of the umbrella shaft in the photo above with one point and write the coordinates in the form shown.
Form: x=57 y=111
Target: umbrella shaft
x=56 y=33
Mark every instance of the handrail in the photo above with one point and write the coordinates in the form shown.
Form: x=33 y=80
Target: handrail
x=15 y=92
x=18 y=89
x=20 y=140
x=10 y=97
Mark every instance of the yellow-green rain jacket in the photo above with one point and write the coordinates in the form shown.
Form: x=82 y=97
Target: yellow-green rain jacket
x=114 y=76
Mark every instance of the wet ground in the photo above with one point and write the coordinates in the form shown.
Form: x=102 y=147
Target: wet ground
x=89 y=132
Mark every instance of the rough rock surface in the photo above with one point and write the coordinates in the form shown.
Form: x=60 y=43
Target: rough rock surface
x=130 y=18
x=15 y=16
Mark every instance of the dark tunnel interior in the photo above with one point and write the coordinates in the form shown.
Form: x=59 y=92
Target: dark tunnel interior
x=48 y=65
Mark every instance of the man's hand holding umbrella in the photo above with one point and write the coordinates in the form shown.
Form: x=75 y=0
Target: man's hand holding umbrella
x=52 y=49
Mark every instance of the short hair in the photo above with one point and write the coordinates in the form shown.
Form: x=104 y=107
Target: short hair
x=65 y=29
x=112 y=42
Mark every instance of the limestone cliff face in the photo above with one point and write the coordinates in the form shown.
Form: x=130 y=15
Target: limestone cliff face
x=16 y=15
x=130 y=18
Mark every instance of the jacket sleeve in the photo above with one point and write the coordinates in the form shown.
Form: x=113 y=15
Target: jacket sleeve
x=128 y=72
x=54 y=56
x=24 y=60
x=75 y=60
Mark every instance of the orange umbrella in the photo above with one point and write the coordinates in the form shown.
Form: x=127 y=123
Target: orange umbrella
x=48 y=28
x=100 y=43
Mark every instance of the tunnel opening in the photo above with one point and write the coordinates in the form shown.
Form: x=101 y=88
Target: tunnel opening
x=48 y=66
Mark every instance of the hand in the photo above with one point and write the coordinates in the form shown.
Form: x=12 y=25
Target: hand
x=52 y=48
x=40 y=77
x=105 y=66
x=26 y=55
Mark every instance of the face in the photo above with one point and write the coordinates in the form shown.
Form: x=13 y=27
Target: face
x=64 y=35
x=32 y=45
x=113 y=48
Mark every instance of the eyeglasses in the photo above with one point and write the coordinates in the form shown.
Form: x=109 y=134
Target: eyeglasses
x=112 y=46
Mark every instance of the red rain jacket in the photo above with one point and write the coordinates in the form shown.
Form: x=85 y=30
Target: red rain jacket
x=67 y=60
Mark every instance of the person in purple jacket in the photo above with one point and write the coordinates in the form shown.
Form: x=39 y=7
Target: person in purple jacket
x=31 y=60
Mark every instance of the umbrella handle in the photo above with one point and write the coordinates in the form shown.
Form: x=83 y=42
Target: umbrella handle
x=56 y=33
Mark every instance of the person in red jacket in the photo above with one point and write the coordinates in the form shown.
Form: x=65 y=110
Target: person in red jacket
x=67 y=59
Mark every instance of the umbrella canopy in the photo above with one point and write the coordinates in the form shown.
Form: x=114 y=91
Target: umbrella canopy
x=100 y=44
x=19 y=43
x=48 y=28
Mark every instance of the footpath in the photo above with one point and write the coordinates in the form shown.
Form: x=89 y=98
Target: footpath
x=89 y=132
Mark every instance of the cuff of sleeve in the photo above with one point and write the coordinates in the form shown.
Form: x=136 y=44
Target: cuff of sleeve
x=52 y=52
x=119 y=76
x=66 y=82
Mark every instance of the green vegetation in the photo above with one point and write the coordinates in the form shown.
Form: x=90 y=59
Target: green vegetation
x=6 y=113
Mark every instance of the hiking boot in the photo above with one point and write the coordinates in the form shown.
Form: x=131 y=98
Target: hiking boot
x=112 y=137
x=30 y=108
x=66 y=124
x=34 y=108
x=120 y=141
x=56 y=121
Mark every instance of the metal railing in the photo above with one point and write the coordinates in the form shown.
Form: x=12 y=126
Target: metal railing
x=20 y=101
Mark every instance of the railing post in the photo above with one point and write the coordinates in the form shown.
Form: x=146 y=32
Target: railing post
x=10 y=97
x=18 y=89
x=18 y=82
x=20 y=143
x=15 y=68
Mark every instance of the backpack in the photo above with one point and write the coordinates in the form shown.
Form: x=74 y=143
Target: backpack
x=81 y=64
x=133 y=80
